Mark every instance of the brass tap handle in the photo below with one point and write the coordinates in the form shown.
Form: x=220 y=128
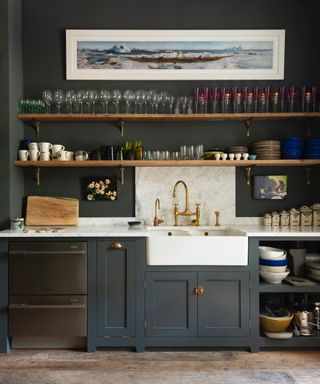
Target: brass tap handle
x=199 y=290
x=217 y=213
x=116 y=245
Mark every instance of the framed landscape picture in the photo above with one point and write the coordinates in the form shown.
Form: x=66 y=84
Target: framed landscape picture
x=271 y=187
x=174 y=54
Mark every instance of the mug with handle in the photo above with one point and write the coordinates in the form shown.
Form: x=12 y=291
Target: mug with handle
x=34 y=154
x=45 y=156
x=57 y=148
x=45 y=147
x=23 y=154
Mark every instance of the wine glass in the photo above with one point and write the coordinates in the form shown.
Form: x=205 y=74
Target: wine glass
x=47 y=97
x=183 y=101
x=58 y=98
x=189 y=105
x=116 y=97
x=139 y=100
x=128 y=97
x=93 y=97
x=152 y=92
x=104 y=97
x=170 y=102
x=87 y=99
x=80 y=99
x=177 y=106
x=69 y=98
x=147 y=98
x=163 y=96
x=156 y=99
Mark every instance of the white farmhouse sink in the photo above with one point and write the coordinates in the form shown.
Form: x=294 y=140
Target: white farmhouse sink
x=196 y=246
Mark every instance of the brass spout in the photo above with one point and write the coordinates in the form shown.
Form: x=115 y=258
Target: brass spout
x=156 y=220
x=186 y=211
x=186 y=192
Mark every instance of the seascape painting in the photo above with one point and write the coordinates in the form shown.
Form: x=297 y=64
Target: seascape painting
x=174 y=54
x=270 y=187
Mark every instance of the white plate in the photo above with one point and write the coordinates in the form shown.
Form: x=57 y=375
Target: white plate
x=279 y=335
x=299 y=281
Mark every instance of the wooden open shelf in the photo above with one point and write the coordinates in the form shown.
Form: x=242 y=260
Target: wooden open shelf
x=286 y=288
x=168 y=163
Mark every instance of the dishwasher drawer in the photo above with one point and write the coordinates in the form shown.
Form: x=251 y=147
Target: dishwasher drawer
x=47 y=316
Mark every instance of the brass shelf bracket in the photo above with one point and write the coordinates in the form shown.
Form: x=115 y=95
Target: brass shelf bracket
x=121 y=175
x=37 y=175
x=120 y=125
x=36 y=125
x=308 y=173
x=248 y=174
x=247 y=123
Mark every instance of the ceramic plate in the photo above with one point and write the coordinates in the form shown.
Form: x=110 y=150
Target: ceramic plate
x=279 y=335
x=299 y=281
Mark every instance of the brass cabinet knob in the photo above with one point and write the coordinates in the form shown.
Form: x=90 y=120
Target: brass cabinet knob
x=116 y=245
x=199 y=290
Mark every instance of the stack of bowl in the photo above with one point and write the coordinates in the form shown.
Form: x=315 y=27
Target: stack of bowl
x=276 y=326
x=273 y=264
x=291 y=148
x=312 y=149
x=267 y=149
x=313 y=270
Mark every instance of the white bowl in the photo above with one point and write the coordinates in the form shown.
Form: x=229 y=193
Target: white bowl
x=272 y=268
x=272 y=253
x=282 y=257
x=274 y=277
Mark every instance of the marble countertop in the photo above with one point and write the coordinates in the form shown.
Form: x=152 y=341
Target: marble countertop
x=119 y=229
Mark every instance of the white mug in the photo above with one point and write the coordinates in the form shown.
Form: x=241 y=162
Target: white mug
x=33 y=146
x=23 y=154
x=245 y=156
x=224 y=156
x=238 y=156
x=217 y=156
x=57 y=148
x=64 y=155
x=45 y=156
x=45 y=147
x=34 y=154
x=231 y=156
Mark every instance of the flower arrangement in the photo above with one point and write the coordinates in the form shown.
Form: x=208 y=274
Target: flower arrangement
x=101 y=190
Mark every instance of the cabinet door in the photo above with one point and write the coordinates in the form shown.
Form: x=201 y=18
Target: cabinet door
x=223 y=308
x=116 y=288
x=171 y=305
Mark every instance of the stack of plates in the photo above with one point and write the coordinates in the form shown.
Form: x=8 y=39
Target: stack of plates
x=267 y=149
x=291 y=148
x=313 y=270
x=312 y=149
x=238 y=149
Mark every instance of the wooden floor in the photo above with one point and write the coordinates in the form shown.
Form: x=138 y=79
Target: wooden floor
x=159 y=367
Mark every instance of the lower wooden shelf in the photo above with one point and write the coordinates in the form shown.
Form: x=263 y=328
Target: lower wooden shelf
x=285 y=288
x=169 y=163
x=293 y=342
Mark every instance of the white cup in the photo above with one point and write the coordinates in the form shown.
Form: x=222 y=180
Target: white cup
x=238 y=156
x=81 y=155
x=245 y=156
x=33 y=146
x=57 y=148
x=45 y=147
x=217 y=156
x=34 y=154
x=224 y=156
x=69 y=155
x=23 y=154
x=45 y=156
x=231 y=156
x=64 y=155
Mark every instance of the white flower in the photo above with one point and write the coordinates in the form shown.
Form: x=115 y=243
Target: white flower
x=89 y=197
x=91 y=185
x=97 y=185
x=112 y=198
x=107 y=181
x=114 y=193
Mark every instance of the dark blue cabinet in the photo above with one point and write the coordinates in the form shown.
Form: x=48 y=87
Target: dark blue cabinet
x=171 y=306
x=199 y=304
x=223 y=307
x=116 y=288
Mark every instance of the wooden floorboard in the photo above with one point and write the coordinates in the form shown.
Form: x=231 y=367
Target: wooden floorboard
x=159 y=367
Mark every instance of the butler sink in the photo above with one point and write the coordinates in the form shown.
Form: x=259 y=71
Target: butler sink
x=196 y=246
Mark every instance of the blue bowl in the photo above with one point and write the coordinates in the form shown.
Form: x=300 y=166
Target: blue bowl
x=274 y=263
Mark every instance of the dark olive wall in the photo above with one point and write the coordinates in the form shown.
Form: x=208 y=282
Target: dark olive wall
x=44 y=23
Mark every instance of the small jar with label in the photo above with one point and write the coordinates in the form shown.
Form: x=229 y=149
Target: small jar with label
x=294 y=217
x=275 y=219
x=284 y=218
x=315 y=214
x=267 y=220
x=17 y=224
x=305 y=216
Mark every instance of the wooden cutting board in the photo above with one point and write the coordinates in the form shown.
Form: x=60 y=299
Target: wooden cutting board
x=45 y=210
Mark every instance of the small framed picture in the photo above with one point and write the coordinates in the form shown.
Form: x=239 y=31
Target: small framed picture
x=101 y=188
x=270 y=187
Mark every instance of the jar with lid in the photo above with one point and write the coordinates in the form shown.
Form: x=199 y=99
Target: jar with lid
x=305 y=216
x=294 y=217
x=275 y=219
x=284 y=218
x=17 y=224
x=315 y=214
x=267 y=220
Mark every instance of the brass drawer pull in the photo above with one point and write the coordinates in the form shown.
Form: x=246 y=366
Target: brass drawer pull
x=116 y=245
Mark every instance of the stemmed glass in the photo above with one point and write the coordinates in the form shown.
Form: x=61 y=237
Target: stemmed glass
x=116 y=97
x=189 y=105
x=183 y=101
x=58 y=98
x=156 y=98
x=152 y=93
x=170 y=102
x=104 y=97
x=147 y=98
x=47 y=97
x=128 y=97
x=87 y=100
x=177 y=106
x=163 y=96
x=139 y=100
x=80 y=99
x=93 y=97
x=69 y=99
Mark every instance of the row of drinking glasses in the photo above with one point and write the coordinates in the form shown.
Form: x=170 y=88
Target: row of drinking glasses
x=128 y=101
x=256 y=100
x=187 y=152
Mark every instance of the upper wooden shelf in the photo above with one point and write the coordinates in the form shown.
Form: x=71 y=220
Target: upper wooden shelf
x=167 y=163
x=167 y=117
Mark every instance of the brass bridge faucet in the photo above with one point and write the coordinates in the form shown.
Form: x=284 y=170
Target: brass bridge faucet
x=187 y=211
x=156 y=220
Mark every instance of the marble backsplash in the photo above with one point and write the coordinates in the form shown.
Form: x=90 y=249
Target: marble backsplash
x=212 y=187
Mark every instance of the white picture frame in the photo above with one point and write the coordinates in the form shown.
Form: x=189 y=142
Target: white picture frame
x=175 y=54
